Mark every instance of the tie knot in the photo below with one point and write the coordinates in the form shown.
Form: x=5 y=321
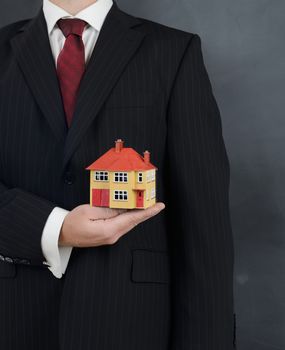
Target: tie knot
x=71 y=26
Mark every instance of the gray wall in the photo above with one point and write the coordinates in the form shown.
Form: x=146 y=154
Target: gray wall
x=243 y=45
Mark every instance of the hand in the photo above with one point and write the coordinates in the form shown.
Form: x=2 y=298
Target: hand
x=87 y=226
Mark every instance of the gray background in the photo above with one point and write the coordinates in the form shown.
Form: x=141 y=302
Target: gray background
x=244 y=51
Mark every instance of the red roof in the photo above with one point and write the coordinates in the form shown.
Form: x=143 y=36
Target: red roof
x=127 y=159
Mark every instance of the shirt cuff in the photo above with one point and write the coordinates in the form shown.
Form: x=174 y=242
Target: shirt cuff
x=57 y=258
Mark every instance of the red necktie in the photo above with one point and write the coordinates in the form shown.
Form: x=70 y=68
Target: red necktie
x=71 y=63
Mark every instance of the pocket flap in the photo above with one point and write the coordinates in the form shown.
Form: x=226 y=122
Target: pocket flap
x=150 y=266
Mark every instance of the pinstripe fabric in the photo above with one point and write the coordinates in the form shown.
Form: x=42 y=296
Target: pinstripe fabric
x=167 y=284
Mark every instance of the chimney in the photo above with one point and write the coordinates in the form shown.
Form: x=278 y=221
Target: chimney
x=146 y=157
x=119 y=144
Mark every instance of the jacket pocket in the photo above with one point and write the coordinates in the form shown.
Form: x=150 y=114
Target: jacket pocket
x=7 y=270
x=150 y=266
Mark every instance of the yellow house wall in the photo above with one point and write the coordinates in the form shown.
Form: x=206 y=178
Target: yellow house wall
x=129 y=186
x=124 y=186
x=148 y=186
x=97 y=184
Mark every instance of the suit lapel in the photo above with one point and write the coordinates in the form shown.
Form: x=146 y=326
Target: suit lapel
x=116 y=44
x=33 y=53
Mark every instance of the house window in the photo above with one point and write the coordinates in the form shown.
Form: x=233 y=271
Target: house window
x=101 y=176
x=140 y=177
x=121 y=177
x=152 y=193
x=120 y=195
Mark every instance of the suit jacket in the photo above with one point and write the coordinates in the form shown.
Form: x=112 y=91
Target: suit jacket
x=167 y=284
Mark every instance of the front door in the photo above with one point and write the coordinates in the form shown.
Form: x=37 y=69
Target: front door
x=140 y=199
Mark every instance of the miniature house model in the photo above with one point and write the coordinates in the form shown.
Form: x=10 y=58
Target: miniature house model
x=122 y=178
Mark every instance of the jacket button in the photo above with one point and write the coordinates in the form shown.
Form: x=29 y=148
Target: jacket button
x=25 y=262
x=68 y=178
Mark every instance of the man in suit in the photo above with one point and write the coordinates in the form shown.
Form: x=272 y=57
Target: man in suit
x=73 y=79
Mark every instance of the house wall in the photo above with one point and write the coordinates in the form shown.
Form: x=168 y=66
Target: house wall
x=129 y=186
x=131 y=203
x=96 y=184
x=148 y=187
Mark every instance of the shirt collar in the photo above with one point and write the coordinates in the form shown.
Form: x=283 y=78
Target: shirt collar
x=94 y=14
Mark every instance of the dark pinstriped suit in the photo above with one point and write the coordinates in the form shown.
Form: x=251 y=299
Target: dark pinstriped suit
x=167 y=284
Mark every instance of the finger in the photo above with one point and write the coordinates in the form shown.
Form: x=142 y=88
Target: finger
x=140 y=215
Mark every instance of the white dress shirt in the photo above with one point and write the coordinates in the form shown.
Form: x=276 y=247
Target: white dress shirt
x=57 y=257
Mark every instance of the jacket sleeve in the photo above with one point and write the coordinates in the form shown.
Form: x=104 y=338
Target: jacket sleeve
x=201 y=243
x=22 y=218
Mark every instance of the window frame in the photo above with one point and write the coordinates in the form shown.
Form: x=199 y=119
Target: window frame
x=140 y=175
x=122 y=177
x=103 y=176
x=122 y=194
